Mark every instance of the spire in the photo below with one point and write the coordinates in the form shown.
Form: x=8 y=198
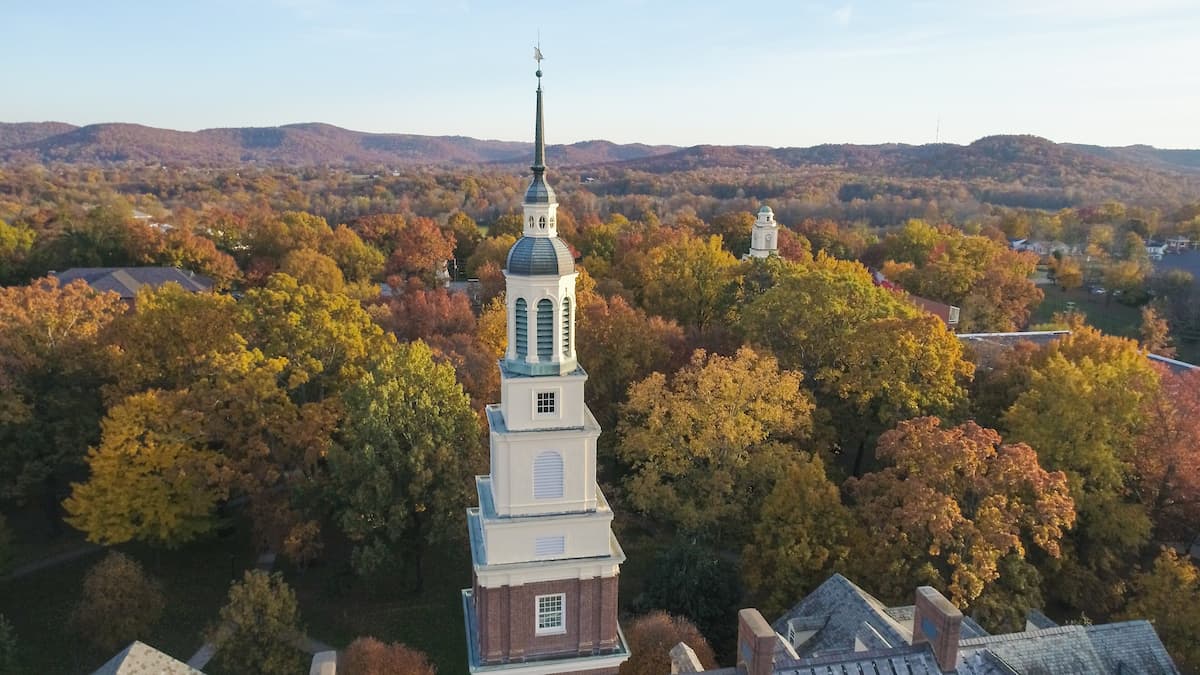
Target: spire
x=539 y=191
x=539 y=139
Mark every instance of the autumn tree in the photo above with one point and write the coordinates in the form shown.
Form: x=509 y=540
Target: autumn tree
x=491 y=250
x=800 y=535
x=1154 y=333
x=810 y=311
x=651 y=638
x=951 y=504
x=401 y=474
x=466 y=234
x=119 y=602
x=259 y=628
x=1166 y=460
x=16 y=242
x=989 y=281
x=169 y=333
x=417 y=312
x=188 y=251
x=890 y=370
x=369 y=656
x=734 y=228
x=689 y=281
x=422 y=249
x=52 y=366
x=314 y=269
x=620 y=344
x=708 y=443
x=327 y=339
x=152 y=476
x=1169 y=596
x=357 y=260
x=1084 y=412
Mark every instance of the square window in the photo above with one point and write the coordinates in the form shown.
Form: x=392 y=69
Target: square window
x=550 y=614
x=546 y=403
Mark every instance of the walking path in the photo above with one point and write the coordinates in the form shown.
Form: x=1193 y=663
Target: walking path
x=265 y=562
x=39 y=565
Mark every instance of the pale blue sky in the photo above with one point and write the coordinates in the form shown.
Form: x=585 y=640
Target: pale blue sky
x=769 y=73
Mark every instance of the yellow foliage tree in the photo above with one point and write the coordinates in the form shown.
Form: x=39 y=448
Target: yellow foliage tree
x=152 y=478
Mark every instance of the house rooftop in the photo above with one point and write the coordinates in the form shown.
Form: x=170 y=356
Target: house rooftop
x=127 y=281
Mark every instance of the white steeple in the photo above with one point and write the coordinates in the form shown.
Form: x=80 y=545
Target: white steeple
x=545 y=559
x=764 y=238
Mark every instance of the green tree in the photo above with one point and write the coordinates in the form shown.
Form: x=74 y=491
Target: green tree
x=259 y=627
x=493 y=250
x=401 y=475
x=152 y=477
x=119 y=602
x=708 y=444
x=693 y=581
x=950 y=505
x=651 y=637
x=800 y=537
x=1169 y=596
x=10 y=663
x=509 y=224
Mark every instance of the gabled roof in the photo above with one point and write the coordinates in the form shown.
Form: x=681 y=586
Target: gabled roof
x=125 y=281
x=140 y=658
x=847 y=618
x=841 y=609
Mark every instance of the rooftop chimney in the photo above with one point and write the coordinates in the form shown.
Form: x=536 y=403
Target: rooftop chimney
x=756 y=643
x=938 y=622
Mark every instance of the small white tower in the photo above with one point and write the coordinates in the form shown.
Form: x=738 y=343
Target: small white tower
x=764 y=238
x=544 y=594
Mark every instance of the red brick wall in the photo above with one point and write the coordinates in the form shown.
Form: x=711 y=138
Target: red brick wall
x=507 y=617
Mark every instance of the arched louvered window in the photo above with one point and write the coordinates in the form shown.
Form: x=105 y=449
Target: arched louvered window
x=548 y=476
x=545 y=330
x=542 y=222
x=531 y=222
x=566 y=326
x=522 y=329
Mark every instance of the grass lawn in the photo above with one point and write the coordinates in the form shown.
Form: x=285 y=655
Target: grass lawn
x=335 y=605
x=195 y=579
x=1108 y=315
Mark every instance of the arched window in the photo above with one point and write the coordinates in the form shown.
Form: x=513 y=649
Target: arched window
x=566 y=326
x=542 y=222
x=545 y=330
x=531 y=222
x=522 y=330
x=548 y=476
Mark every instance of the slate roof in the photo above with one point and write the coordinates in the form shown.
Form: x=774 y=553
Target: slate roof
x=140 y=658
x=845 y=617
x=125 y=281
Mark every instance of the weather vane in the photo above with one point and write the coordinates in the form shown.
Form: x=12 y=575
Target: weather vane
x=537 y=54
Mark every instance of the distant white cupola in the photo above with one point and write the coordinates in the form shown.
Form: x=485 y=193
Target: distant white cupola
x=764 y=238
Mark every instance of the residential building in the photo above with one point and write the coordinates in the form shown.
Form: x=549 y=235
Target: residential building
x=127 y=281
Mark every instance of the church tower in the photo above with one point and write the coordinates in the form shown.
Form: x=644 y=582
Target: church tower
x=544 y=595
x=764 y=238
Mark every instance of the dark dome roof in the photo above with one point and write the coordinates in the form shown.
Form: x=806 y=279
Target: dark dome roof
x=539 y=191
x=532 y=256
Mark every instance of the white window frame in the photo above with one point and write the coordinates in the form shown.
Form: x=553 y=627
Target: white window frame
x=555 y=400
x=548 y=614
